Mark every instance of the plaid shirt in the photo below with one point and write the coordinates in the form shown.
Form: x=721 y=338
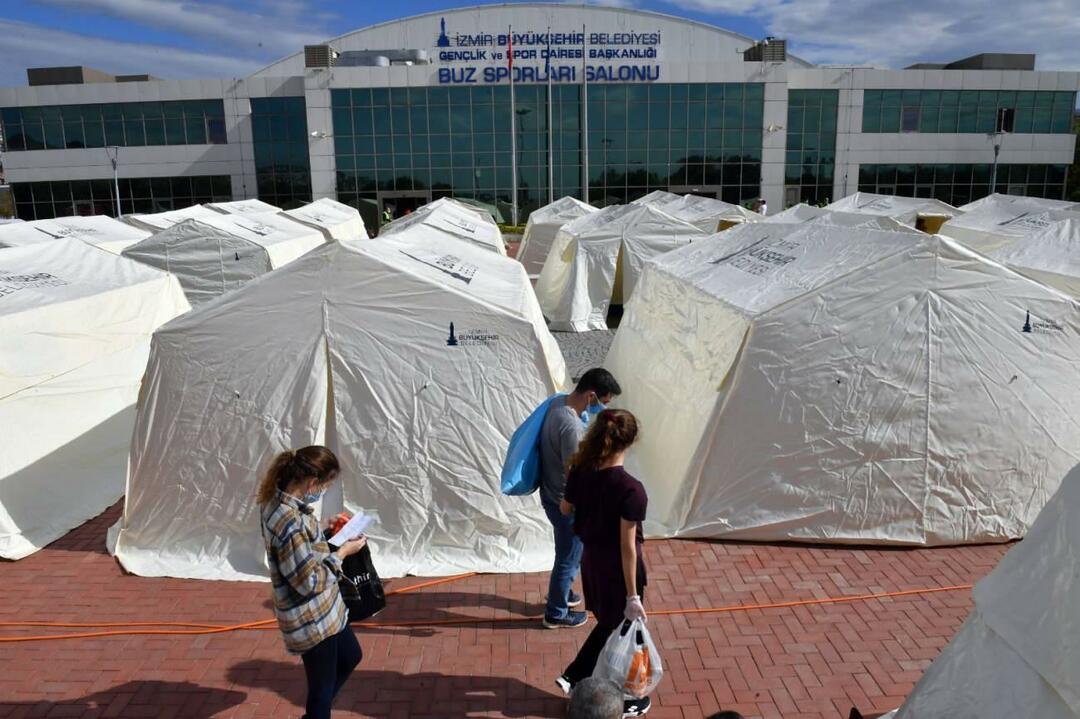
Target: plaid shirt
x=304 y=573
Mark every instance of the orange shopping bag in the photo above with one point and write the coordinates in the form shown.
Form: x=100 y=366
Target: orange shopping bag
x=630 y=660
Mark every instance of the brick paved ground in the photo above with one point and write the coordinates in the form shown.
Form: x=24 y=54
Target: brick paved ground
x=810 y=661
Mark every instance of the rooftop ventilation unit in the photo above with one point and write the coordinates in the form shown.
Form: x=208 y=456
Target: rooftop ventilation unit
x=319 y=56
x=768 y=50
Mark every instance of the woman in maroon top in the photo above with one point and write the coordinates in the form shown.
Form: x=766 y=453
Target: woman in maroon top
x=608 y=505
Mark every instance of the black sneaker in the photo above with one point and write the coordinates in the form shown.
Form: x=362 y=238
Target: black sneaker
x=574 y=600
x=565 y=684
x=636 y=707
x=572 y=619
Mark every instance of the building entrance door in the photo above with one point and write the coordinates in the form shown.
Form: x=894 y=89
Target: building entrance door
x=699 y=190
x=402 y=202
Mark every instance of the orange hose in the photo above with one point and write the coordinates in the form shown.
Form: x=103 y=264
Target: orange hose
x=212 y=629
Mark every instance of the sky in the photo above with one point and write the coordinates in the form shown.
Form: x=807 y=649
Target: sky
x=231 y=38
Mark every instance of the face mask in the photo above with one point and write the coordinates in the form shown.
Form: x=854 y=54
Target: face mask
x=312 y=498
x=592 y=410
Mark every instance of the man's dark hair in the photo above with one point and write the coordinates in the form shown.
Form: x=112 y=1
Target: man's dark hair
x=595 y=698
x=598 y=380
x=726 y=715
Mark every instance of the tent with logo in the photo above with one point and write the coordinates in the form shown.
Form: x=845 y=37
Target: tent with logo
x=243 y=207
x=76 y=325
x=1015 y=655
x=336 y=220
x=809 y=213
x=213 y=255
x=998 y=221
x=101 y=231
x=413 y=361
x=596 y=259
x=1051 y=255
x=922 y=213
x=833 y=385
x=156 y=221
x=706 y=213
x=452 y=219
x=541 y=228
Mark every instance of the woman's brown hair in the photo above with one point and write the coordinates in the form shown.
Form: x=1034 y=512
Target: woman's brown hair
x=611 y=432
x=294 y=465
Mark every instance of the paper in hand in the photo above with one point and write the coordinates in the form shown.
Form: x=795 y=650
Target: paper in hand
x=352 y=529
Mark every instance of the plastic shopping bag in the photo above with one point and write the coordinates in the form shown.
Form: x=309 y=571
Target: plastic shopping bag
x=521 y=470
x=630 y=660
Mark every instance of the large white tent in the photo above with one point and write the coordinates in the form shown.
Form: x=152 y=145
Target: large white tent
x=596 y=260
x=213 y=255
x=243 y=207
x=413 y=362
x=541 y=228
x=336 y=220
x=706 y=213
x=1016 y=654
x=100 y=231
x=9 y=220
x=809 y=213
x=834 y=384
x=453 y=220
x=998 y=221
x=75 y=325
x=922 y=213
x=1051 y=255
x=157 y=221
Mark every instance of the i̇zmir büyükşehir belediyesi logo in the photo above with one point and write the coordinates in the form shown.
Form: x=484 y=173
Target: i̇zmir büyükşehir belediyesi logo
x=471 y=338
x=1038 y=326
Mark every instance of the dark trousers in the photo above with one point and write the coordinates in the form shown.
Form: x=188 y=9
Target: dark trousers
x=327 y=665
x=585 y=662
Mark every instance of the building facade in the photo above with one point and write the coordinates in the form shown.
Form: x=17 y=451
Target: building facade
x=607 y=105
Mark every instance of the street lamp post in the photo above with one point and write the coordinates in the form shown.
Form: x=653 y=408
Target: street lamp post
x=996 y=138
x=113 y=152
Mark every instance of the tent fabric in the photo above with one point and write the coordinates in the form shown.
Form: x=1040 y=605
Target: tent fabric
x=1050 y=255
x=706 y=213
x=243 y=207
x=76 y=324
x=993 y=223
x=808 y=213
x=541 y=228
x=336 y=220
x=596 y=253
x=902 y=209
x=486 y=210
x=9 y=220
x=100 y=231
x=414 y=363
x=1016 y=654
x=213 y=255
x=453 y=220
x=157 y=221
x=834 y=384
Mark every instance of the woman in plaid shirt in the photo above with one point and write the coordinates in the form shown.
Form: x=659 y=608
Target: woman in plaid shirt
x=305 y=573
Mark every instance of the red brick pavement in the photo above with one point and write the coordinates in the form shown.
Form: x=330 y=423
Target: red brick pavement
x=808 y=662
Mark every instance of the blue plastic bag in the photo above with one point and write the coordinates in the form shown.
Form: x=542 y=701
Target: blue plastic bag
x=521 y=470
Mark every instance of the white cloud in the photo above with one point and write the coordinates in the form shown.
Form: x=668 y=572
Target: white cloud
x=897 y=34
x=24 y=45
x=255 y=28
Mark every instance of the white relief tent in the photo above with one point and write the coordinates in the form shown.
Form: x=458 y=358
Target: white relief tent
x=1050 y=255
x=213 y=255
x=706 y=213
x=1015 y=654
x=413 y=362
x=832 y=385
x=243 y=207
x=75 y=325
x=453 y=220
x=809 y=213
x=596 y=260
x=101 y=231
x=922 y=213
x=156 y=221
x=542 y=227
x=336 y=220
x=997 y=221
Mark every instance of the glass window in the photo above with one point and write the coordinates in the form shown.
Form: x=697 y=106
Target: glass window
x=910 y=118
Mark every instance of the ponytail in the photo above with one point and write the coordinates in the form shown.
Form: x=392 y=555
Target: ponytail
x=612 y=432
x=293 y=466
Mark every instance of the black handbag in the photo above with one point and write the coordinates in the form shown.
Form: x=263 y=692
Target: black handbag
x=361 y=587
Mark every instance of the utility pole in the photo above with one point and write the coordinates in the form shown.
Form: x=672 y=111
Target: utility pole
x=113 y=152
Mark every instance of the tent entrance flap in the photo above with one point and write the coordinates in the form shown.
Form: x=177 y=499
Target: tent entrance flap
x=617 y=287
x=930 y=224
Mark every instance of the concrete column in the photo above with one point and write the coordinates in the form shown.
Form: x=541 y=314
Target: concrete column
x=320 y=121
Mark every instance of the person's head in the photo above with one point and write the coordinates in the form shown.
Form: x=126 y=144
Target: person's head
x=610 y=434
x=726 y=715
x=595 y=698
x=597 y=387
x=307 y=471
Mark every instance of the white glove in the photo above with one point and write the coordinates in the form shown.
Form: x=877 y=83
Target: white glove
x=634 y=610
